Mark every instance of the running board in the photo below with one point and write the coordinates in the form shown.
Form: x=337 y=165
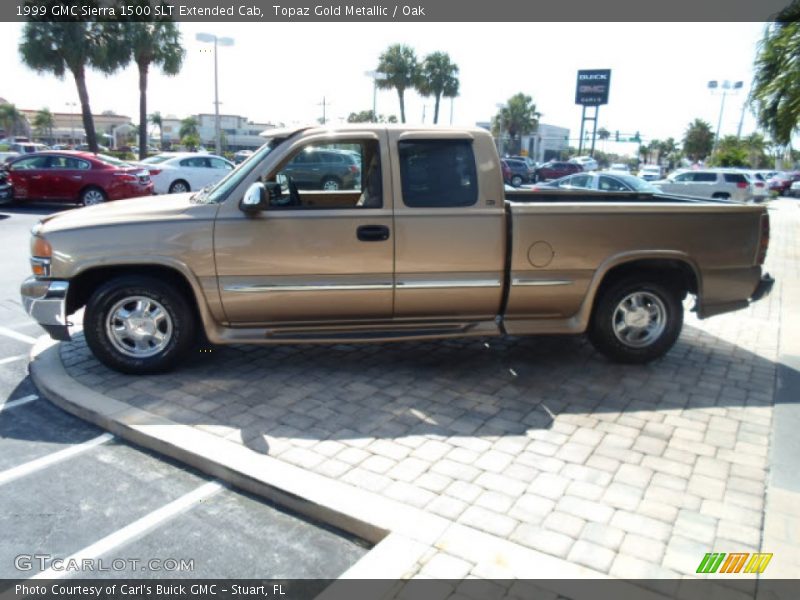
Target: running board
x=405 y=332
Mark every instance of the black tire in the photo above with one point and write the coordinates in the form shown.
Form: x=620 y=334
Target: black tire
x=182 y=331
x=179 y=186
x=722 y=196
x=92 y=196
x=601 y=330
x=331 y=184
x=516 y=181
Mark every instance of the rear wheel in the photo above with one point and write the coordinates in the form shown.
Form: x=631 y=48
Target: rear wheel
x=331 y=184
x=92 y=195
x=138 y=325
x=636 y=321
x=722 y=196
x=178 y=187
x=516 y=181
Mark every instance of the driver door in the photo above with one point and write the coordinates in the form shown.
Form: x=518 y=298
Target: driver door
x=314 y=256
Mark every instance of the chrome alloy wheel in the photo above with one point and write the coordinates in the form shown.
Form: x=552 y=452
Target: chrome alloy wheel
x=139 y=327
x=639 y=319
x=92 y=197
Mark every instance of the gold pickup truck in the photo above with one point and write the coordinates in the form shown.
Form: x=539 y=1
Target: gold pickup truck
x=375 y=233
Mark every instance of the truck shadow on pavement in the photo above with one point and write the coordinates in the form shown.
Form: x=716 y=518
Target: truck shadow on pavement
x=272 y=396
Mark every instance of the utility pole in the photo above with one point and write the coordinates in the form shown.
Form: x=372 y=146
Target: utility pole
x=324 y=104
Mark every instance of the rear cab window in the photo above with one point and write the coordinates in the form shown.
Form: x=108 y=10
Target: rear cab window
x=438 y=173
x=736 y=178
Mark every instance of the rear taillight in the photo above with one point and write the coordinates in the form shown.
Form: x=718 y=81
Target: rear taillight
x=154 y=172
x=125 y=176
x=741 y=185
x=759 y=184
x=353 y=169
x=763 y=242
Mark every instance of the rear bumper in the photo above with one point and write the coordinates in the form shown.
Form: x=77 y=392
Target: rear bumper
x=46 y=302
x=763 y=288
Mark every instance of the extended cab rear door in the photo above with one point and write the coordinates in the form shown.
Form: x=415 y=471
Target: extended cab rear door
x=449 y=225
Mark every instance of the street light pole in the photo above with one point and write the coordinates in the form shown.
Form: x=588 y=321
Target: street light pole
x=217 y=41
x=376 y=76
x=726 y=85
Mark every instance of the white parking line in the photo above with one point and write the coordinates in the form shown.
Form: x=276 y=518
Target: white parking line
x=51 y=459
x=17 y=335
x=10 y=359
x=18 y=402
x=137 y=528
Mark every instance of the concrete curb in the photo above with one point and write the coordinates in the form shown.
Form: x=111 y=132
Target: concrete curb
x=403 y=535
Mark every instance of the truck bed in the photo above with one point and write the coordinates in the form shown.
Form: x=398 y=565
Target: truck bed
x=555 y=195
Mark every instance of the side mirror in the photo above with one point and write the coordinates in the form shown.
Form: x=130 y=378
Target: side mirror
x=259 y=195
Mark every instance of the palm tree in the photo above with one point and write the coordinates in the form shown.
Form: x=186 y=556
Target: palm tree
x=437 y=74
x=189 y=134
x=73 y=46
x=399 y=66
x=518 y=117
x=10 y=118
x=451 y=90
x=44 y=123
x=775 y=94
x=158 y=121
x=698 y=141
x=157 y=43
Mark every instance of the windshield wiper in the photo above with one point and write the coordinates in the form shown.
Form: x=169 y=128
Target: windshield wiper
x=197 y=196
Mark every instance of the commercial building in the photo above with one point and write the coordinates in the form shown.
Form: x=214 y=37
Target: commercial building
x=546 y=143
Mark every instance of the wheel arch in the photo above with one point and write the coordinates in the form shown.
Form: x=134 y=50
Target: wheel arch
x=676 y=268
x=83 y=285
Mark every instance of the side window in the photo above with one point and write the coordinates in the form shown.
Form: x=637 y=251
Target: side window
x=218 y=163
x=609 y=184
x=438 y=173
x=579 y=181
x=685 y=177
x=35 y=162
x=195 y=162
x=705 y=177
x=345 y=174
x=735 y=178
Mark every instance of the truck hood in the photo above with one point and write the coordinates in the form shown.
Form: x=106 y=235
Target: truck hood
x=150 y=208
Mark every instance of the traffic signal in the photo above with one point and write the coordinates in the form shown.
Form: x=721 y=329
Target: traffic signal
x=616 y=136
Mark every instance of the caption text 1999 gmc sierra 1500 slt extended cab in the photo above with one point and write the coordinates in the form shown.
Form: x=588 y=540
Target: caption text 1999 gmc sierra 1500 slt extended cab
x=421 y=242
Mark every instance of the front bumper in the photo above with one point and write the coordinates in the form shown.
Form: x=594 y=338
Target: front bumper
x=46 y=302
x=763 y=288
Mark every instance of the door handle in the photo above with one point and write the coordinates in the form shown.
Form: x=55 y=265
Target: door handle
x=77 y=177
x=372 y=233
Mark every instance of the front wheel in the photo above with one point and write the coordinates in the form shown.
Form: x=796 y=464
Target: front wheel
x=138 y=325
x=331 y=184
x=516 y=181
x=636 y=321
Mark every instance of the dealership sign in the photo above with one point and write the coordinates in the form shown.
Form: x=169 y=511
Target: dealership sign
x=593 y=86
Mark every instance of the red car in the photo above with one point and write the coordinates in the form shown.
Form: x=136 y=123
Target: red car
x=79 y=177
x=782 y=182
x=556 y=170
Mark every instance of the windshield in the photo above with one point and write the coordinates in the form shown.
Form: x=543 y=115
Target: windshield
x=154 y=160
x=219 y=192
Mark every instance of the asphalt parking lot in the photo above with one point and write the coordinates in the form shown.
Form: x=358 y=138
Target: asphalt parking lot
x=70 y=490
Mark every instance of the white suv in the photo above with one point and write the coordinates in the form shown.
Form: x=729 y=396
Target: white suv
x=730 y=184
x=587 y=163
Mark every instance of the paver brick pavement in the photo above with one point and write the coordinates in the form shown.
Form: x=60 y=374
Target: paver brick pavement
x=635 y=471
